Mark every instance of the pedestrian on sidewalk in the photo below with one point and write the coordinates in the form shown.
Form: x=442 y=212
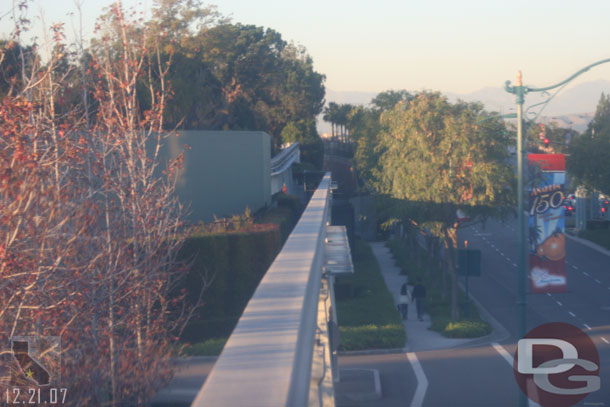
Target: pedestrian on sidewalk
x=419 y=296
x=403 y=301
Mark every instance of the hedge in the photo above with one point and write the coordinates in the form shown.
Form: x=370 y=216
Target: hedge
x=236 y=261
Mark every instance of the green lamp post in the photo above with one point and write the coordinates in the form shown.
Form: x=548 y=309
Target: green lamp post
x=520 y=91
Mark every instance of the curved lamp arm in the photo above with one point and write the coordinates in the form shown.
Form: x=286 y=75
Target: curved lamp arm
x=512 y=89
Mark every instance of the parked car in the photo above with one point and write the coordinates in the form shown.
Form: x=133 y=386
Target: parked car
x=569 y=206
x=604 y=205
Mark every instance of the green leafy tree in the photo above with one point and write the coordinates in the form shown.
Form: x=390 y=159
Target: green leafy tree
x=390 y=98
x=11 y=73
x=439 y=157
x=364 y=128
x=304 y=132
x=559 y=138
x=590 y=152
x=601 y=121
x=331 y=115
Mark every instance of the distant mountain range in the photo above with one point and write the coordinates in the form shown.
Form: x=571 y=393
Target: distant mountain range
x=573 y=107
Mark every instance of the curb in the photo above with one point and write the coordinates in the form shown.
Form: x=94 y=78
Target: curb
x=365 y=352
x=497 y=327
x=589 y=244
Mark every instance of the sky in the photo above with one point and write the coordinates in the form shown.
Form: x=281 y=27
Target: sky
x=447 y=45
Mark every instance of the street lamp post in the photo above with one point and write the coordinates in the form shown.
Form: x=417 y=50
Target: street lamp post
x=520 y=91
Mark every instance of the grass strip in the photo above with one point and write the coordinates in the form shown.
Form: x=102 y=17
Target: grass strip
x=368 y=318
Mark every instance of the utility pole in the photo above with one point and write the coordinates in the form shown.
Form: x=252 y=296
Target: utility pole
x=520 y=91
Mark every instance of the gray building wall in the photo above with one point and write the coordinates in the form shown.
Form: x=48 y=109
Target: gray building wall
x=223 y=171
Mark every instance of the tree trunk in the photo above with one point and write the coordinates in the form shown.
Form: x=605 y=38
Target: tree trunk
x=431 y=254
x=114 y=396
x=451 y=245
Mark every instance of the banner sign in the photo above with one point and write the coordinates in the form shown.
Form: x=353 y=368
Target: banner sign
x=547 y=240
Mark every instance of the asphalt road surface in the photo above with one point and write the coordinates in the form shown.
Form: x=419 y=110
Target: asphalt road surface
x=480 y=373
x=586 y=305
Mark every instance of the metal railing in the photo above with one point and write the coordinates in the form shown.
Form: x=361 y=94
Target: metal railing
x=267 y=361
x=285 y=158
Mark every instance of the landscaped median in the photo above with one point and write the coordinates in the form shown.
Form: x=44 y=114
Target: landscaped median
x=368 y=318
x=436 y=306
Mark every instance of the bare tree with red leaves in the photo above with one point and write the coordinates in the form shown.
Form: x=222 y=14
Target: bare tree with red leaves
x=89 y=223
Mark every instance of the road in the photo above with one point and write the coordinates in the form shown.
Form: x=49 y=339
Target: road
x=586 y=304
x=480 y=373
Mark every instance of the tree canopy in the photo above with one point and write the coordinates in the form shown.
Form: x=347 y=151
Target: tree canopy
x=443 y=153
x=428 y=158
x=220 y=75
x=590 y=152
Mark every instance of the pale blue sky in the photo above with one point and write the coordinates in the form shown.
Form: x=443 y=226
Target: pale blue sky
x=455 y=46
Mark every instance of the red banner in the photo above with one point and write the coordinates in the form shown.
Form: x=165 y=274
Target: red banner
x=547 y=224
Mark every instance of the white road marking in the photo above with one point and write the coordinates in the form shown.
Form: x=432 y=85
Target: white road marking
x=516 y=266
x=548 y=294
x=585 y=273
x=509 y=359
x=597 y=281
x=605 y=340
x=575 y=268
x=503 y=352
x=422 y=381
x=587 y=326
x=559 y=303
x=571 y=313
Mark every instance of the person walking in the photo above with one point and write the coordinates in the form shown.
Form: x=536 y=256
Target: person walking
x=403 y=301
x=419 y=296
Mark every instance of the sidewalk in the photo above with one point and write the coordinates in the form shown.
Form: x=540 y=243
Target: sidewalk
x=419 y=337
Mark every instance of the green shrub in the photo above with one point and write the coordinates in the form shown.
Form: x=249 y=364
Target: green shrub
x=236 y=262
x=291 y=202
x=283 y=216
x=467 y=329
x=210 y=347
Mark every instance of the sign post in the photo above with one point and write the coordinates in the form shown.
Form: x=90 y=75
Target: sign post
x=469 y=264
